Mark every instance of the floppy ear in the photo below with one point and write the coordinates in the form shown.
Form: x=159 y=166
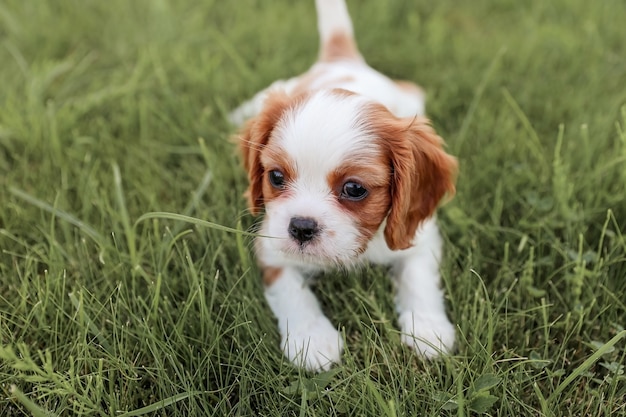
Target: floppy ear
x=422 y=174
x=253 y=138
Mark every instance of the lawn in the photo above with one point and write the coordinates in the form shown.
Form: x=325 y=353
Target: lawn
x=127 y=285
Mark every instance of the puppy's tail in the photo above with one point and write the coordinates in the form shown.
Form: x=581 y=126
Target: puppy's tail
x=336 y=34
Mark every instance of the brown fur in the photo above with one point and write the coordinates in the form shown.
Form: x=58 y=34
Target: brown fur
x=253 y=138
x=340 y=46
x=270 y=275
x=373 y=174
x=422 y=173
x=274 y=157
x=409 y=87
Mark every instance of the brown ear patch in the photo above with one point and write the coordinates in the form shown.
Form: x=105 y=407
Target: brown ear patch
x=422 y=173
x=252 y=140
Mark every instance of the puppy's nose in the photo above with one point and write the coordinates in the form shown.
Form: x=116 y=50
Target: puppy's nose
x=303 y=229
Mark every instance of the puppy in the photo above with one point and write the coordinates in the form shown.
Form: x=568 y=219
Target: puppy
x=347 y=170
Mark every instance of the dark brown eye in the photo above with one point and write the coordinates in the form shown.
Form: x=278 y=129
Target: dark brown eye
x=277 y=179
x=353 y=191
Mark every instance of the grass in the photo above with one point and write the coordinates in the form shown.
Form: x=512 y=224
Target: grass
x=112 y=114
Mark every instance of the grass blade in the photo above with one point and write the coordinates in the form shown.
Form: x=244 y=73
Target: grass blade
x=191 y=220
x=159 y=405
x=121 y=203
x=586 y=365
x=63 y=215
x=34 y=409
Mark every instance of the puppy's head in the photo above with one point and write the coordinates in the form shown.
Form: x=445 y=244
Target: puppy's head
x=331 y=167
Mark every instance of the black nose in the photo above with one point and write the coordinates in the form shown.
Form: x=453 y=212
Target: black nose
x=302 y=229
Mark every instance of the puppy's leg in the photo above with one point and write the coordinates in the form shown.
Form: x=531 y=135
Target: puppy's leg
x=308 y=339
x=419 y=298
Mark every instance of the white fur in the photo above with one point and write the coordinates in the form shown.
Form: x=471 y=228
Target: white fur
x=333 y=18
x=318 y=137
x=326 y=122
x=308 y=338
x=353 y=76
x=301 y=135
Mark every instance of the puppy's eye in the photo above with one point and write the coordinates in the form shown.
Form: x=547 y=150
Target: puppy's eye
x=277 y=179
x=353 y=191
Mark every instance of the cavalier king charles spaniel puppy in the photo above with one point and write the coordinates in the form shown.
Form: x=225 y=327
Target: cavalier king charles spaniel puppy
x=346 y=170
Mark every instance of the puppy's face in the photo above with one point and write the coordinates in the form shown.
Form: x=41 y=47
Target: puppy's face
x=330 y=167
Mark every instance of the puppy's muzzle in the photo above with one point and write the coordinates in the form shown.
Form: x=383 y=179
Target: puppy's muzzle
x=303 y=229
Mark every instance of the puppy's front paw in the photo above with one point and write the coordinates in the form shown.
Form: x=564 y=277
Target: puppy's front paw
x=314 y=345
x=429 y=334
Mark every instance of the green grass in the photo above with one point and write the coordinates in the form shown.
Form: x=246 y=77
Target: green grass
x=110 y=111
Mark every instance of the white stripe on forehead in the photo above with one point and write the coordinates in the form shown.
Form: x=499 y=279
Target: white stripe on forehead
x=325 y=130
